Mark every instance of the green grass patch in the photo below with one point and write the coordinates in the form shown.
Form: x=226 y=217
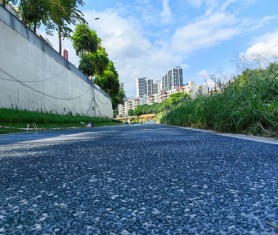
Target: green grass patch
x=14 y=121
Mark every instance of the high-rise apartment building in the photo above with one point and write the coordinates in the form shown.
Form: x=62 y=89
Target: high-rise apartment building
x=172 y=80
x=159 y=86
x=165 y=83
x=149 y=87
x=175 y=77
x=155 y=88
x=141 y=87
x=144 y=86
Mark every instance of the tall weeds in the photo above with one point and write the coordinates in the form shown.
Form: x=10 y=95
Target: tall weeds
x=248 y=104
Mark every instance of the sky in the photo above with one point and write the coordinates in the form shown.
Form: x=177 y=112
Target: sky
x=146 y=38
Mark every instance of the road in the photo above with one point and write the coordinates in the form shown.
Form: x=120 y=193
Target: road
x=137 y=179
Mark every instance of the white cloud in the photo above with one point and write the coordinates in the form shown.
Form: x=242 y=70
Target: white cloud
x=205 y=33
x=166 y=14
x=227 y=4
x=196 y=3
x=211 y=5
x=204 y=74
x=205 y=78
x=257 y=24
x=263 y=51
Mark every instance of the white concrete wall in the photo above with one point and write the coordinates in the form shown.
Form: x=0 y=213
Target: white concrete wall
x=33 y=76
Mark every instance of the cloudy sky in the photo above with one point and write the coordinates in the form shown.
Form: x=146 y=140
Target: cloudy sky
x=145 y=38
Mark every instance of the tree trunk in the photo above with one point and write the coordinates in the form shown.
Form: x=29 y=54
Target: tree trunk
x=60 y=40
x=35 y=26
x=4 y=3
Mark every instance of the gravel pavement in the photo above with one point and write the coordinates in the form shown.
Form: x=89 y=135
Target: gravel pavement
x=137 y=179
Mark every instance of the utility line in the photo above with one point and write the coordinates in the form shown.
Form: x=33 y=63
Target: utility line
x=42 y=80
x=59 y=98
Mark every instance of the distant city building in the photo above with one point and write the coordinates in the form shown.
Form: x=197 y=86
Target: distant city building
x=155 y=88
x=129 y=104
x=144 y=86
x=121 y=109
x=190 y=88
x=149 y=83
x=141 y=87
x=159 y=86
x=165 y=83
x=149 y=92
x=175 y=77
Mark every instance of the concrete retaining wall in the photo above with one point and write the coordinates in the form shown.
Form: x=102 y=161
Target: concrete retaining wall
x=33 y=76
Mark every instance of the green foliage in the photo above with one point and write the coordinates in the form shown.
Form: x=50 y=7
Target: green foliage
x=148 y=109
x=102 y=62
x=33 y=12
x=173 y=100
x=62 y=14
x=109 y=82
x=130 y=112
x=87 y=64
x=156 y=108
x=95 y=62
x=115 y=113
x=84 y=40
x=54 y=14
x=118 y=98
x=249 y=104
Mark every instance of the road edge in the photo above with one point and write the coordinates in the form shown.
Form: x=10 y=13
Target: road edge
x=237 y=136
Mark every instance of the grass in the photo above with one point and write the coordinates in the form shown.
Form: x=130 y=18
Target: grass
x=249 y=104
x=14 y=121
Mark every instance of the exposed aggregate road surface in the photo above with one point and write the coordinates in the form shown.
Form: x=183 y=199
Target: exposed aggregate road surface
x=137 y=179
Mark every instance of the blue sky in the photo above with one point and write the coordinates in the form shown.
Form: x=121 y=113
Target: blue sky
x=145 y=38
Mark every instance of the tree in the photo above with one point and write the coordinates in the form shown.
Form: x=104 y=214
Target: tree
x=84 y=40
x=33 y=12
x=62 y=14
x=54 y=14
x=94 y=61
x=88 y=65
x=173 y=100
x=103 y=62
x=130 y=112
x=118 y=98
x=141 y=109
x=109 y=82
x=138 y=110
